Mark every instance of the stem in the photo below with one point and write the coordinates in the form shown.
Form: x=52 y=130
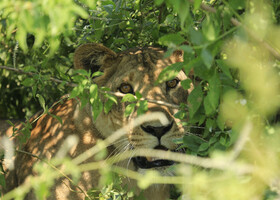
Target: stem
x=232 y=10
x=243 y=138
x=218 y=38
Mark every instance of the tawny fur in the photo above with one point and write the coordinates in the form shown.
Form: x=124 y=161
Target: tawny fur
x=140 y=68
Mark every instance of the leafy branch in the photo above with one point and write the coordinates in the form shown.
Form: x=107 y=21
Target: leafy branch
x=237 y=23
x=70 y=84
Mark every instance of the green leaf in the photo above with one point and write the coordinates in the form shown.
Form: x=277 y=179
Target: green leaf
x=211 y=101
x=237 y=4
x=170 y=72
x=97 y=107
x=195 y=100
x=109 y=104
x=208 y=106
x=203 y=147
x=138 y=95
x=82 y=72
x=34 y=90
x=196 y=4
x=112 y=98
x=201 y=119
x=41 y=101
x=40 y=36
x=196 y=36
x=98 y=73
x=192 y=142
x=209 y=30
x=171 y=39
x=187 y=49
x=182 y=7
x=129 y=109
x=213 y=140
x=200 y=69
x=21 y=38
x=158 y=2
x=129 y=98
x=180 y=114
x=186 y=84
x=224 y=140
x=207 y=58
x=28 y=82
x=93 y=92
x=210 y=124
x=142 y=107
x=25 y=134
x=80 y=11
x=224 y=67
x=56 y=117
x=75 y=92
x=221 y=122
x=30 y=69
x=78 y=78
x=90 y=3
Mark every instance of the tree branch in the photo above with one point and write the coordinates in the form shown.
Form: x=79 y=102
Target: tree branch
x=32 y=74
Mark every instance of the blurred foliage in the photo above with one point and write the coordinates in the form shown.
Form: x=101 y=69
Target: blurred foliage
x=112 y=189
x=236 y=77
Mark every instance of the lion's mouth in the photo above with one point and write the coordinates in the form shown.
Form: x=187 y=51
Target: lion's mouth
x=151 y=162
x=142 y=162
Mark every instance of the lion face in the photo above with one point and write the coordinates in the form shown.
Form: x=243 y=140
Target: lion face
x=138 y=71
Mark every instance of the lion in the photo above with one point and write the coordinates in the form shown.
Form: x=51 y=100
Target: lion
x=127 y=72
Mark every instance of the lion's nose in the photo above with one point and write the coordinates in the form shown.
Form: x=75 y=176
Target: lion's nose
x=157 y=131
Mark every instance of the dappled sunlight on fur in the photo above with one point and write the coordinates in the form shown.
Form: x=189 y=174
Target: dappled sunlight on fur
x=140 y=68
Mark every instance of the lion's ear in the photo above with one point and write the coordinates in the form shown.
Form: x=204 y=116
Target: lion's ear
x=178 y=55
x=92 y=57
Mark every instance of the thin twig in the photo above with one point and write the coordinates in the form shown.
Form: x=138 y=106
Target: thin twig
x=243 y=138
x=32 y=74
x=15 y=55
x=56 y=169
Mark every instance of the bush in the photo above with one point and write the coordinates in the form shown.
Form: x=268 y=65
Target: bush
x=232 y=47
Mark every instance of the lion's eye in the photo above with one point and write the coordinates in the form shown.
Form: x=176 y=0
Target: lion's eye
x=172 y=83
x=126 y=88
